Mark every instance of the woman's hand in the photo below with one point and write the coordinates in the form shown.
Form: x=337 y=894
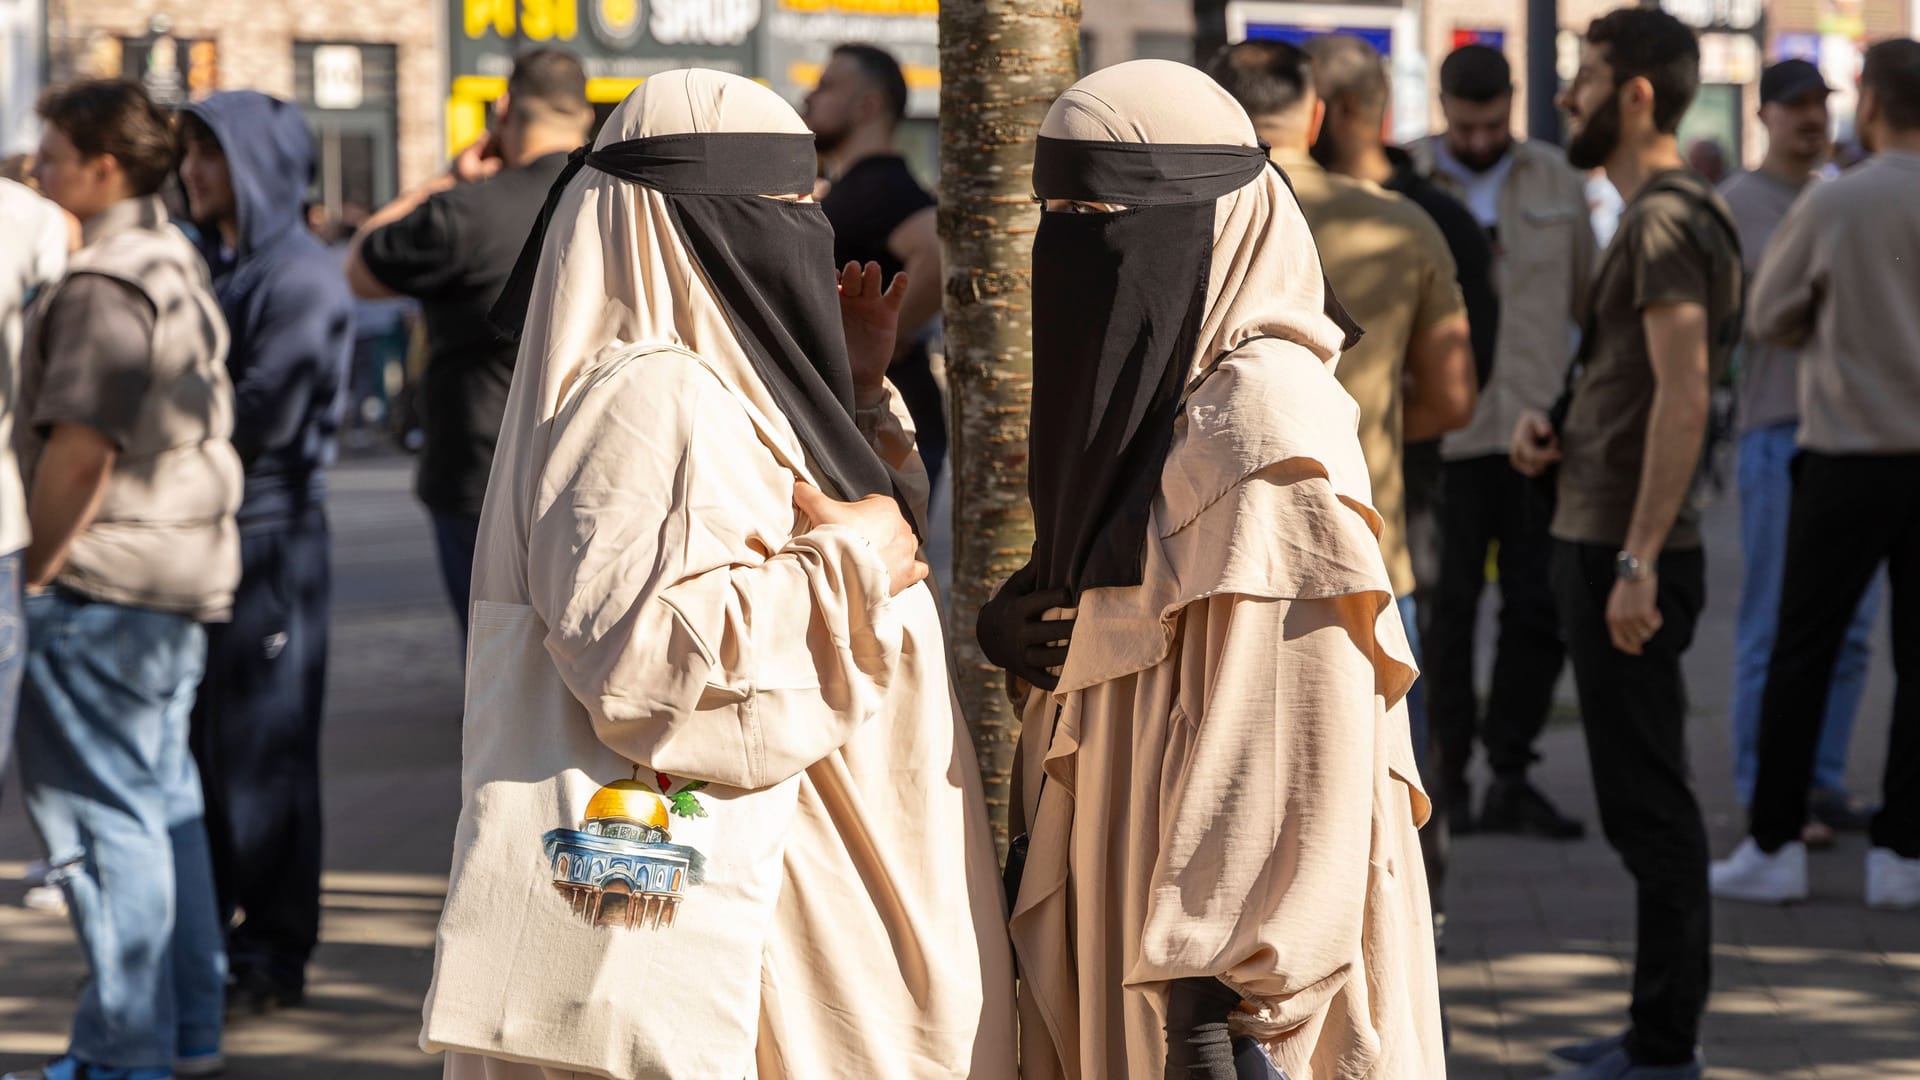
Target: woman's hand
x=877 y=518
x=872 y=321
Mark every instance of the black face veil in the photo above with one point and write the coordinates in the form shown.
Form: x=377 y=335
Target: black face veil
x=770 y=264
x=1119 y=299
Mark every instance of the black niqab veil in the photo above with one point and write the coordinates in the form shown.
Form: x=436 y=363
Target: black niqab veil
x=770 y=264
x=1119 y=299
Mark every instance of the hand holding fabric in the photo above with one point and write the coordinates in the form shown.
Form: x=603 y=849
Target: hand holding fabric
x=872 y=321
x=1016 y=635
x=877 y=519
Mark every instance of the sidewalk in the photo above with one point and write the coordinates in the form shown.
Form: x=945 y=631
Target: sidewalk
x=1538 y=940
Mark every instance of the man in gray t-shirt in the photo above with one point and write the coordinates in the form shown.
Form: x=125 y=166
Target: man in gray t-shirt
x=1794 y=109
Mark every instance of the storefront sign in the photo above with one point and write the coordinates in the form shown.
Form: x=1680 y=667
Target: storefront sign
x=338 y=80
x=1492 y=39
x=1744 y=15
x=619 y=42
x=800 y=35
x=173 y=70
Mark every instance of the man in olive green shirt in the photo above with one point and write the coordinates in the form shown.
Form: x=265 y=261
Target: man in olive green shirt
x=1412 y=374
x=1628 y=573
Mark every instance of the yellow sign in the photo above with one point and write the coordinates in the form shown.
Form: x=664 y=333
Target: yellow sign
x=472 y=94
x=918 y=76
x=927 y=8
x=539 y=20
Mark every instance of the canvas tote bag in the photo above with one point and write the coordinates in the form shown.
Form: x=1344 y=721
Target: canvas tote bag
x=603 y=918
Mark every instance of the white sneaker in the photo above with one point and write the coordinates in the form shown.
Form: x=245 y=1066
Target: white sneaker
x=46 y=898
x=1754 y=876
x=1893 y=883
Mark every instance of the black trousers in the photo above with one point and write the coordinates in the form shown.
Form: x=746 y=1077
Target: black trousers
x=1849 y=514
x=912 y=376
x=1483 y=501
x=256 y=739
x=1634 y=709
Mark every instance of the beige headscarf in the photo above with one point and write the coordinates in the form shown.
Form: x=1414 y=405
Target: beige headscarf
x=1266 y=277
x=1276 y=412
x=614 y=274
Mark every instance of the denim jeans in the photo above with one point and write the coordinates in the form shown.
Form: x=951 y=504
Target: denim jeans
x=1766 y=491
x=1417 y=693
x=455 y=538
x=256 y=740
x=114 y=795
x=13 y=651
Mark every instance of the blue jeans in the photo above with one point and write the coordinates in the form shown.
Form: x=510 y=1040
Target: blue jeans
x=456 y=537
x=1766 y=491
x=13 y=651
x=114 y=795
x=1417 y=693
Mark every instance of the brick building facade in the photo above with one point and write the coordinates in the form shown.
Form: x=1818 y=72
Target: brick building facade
x=375 y=105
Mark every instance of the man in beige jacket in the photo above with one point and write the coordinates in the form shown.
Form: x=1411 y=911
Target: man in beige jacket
x=1534 y=209
x=720 y=815
x=1216 y=770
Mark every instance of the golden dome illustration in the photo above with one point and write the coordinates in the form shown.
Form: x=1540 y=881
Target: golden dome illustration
x=627 y=801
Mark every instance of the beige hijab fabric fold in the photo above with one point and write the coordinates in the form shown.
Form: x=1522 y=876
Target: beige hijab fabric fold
x=1223 y=784
x=1266 y=277
x=644 y=595
x=600 y=299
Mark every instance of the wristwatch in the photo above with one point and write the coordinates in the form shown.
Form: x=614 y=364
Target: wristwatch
x=1630 y=567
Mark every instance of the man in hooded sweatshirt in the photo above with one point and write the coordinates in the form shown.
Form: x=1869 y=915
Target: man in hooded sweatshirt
x=256 y=724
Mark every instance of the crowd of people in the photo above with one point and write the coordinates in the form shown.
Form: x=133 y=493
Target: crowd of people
x=1296 y=391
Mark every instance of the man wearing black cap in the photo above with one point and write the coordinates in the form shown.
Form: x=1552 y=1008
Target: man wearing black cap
x=1793 y=107
x=1838 y=281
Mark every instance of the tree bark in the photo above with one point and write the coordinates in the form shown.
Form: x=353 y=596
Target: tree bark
x=1002 y=63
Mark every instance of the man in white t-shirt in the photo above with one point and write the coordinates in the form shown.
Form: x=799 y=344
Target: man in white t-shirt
x=35 y=255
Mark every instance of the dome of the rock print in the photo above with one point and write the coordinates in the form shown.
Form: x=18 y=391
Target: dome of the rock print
x=627 y=801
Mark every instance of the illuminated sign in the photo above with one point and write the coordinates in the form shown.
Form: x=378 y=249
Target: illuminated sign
x=619 y=42
x=799 y=35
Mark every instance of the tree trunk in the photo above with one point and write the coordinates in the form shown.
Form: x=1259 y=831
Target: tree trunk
x=1002 y=62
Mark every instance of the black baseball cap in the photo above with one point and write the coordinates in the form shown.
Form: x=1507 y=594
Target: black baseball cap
x=1789 y=80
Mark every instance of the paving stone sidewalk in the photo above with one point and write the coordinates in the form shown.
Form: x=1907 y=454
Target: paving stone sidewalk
x=1539 y=939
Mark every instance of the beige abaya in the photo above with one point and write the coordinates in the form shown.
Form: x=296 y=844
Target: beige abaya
x=645 y=599
x=1230 y=789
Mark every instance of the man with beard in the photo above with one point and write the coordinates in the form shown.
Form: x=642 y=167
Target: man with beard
x=880 y=213
x=1627 y=570
x=1534 y=211
x=1839 y=281
x=1793 y=106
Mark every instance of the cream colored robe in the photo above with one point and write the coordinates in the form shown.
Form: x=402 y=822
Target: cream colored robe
x=1231 y=785
x=771 y=653
x=644 y=597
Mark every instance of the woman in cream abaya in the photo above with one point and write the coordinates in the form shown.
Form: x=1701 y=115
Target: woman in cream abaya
x=1223 y=874
x=720 y=818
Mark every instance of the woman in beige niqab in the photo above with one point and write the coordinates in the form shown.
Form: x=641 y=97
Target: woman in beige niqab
x=1219 y=786
x=765 y=839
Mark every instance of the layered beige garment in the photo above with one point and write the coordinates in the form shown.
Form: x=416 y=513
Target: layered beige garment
x=646 y=602
x=1229 y=787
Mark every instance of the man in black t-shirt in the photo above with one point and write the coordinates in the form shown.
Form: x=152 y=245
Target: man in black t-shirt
x=881 y=214
x=451 y=244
